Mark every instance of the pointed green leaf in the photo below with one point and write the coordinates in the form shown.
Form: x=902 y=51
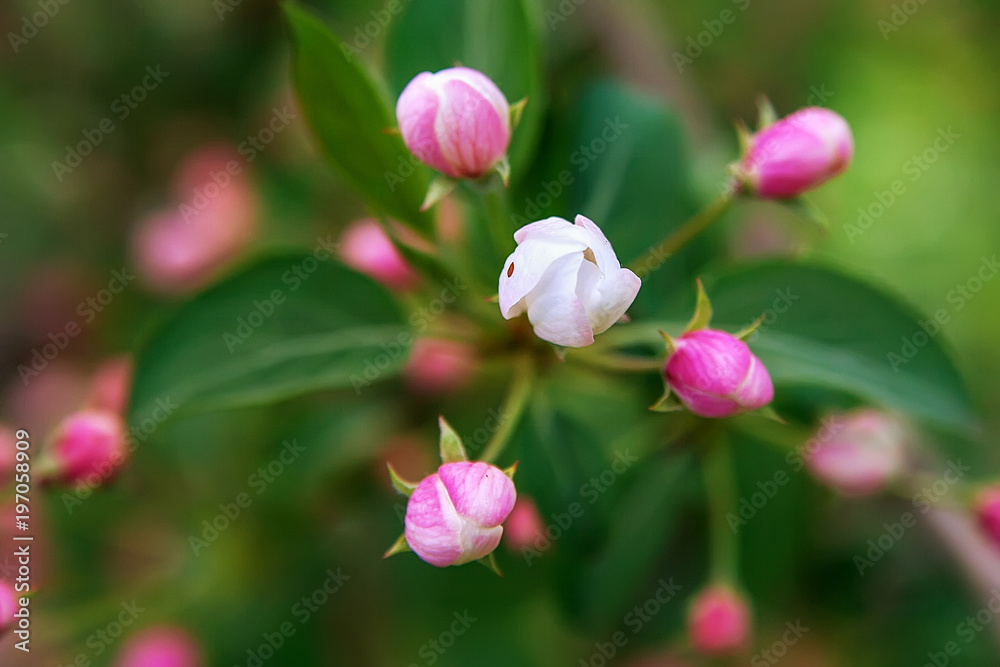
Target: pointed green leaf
x=748 y=332
x=452 y=450
x=400 y=484
x=668 y=342
x=766 y=115
x=439 y=188
x=511 y=470
x=503 y=168
x=490 y=562
x=667 y=403
x=516 y=111
x=398 y=547
x=702 y=311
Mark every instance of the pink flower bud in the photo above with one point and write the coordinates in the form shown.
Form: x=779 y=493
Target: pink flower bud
x=89 y=447
x=161 y=646
x=987 y=509
x=439 y=366
x=454 y=516
x=182 y=248
x=8 y=607
x=858 y=452
x=719 y=622
x=567 y=277
x=716 y=375
x=366 y=248
x=456 y=121
x=797 y=153
x=524 y=528
x=110 y=387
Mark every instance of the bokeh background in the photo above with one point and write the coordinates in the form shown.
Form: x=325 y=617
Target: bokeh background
x=227 y=72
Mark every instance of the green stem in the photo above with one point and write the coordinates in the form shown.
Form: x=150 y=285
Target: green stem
x=512 y=409
x=495 y=201
x=657 y=255
x=620 y=362
x=720 y=485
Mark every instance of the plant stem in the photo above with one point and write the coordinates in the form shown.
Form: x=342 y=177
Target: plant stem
x=512 y=409
x=495 y=201
x=657 y=256
x=720 y=486
x=620 y=362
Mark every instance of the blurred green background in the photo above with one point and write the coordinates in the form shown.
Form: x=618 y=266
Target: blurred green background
x=228 y=68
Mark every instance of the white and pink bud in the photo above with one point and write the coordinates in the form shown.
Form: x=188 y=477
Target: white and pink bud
x=987 y=509
x=111 y=384
x=568 y=280
x=439 y=365
x=161 y=646
x=8 y=607
x=456 y=121
x=714 y=374
x=859 y=452
x=719 y=622
x=524 y=528
x=796 y=154
x=88 y=448
x=455 y=516
x=366 y=248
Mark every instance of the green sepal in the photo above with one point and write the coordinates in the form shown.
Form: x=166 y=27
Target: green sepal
x=747 y=332
x=439 y=188
x=503 y=168
x=768 y=412
x=404 y=487
x=511 y=470
x=452 y=450
x=668 y=342
x=398 y=547
x=490 y=563
x=667 y=403
x=766 y=113
x=745 y=137
x=516 y=111
x=805 y=209
x=702 y=311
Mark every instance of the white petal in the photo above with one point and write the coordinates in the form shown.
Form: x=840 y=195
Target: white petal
x=554 y=310
x=596 y=241
x=607 y=300
x=530 y=261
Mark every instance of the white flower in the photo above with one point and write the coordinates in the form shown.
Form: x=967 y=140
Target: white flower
x=567 y=278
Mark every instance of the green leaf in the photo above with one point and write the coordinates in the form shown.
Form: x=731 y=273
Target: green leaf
x=497 y=37
x=825 y=329
x=632 y=177
x=401 y=485
x=702 y=311
x=352 y=118
x=284 y=326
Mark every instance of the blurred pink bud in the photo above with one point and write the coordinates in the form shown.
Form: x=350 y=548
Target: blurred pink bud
x=366 y=248
x=439 y=365
x=8 y=607
x=719 y=622
x=8 y=454
x=110 y=387
x=181 y=249
x=454 y=516
x=797 y=153
x=456 y=121
x=567 y=277
x=858 y=452
x=524 y=528
x=987 y=509
x=89 y=447
x=161 y=646
x=716 y=375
